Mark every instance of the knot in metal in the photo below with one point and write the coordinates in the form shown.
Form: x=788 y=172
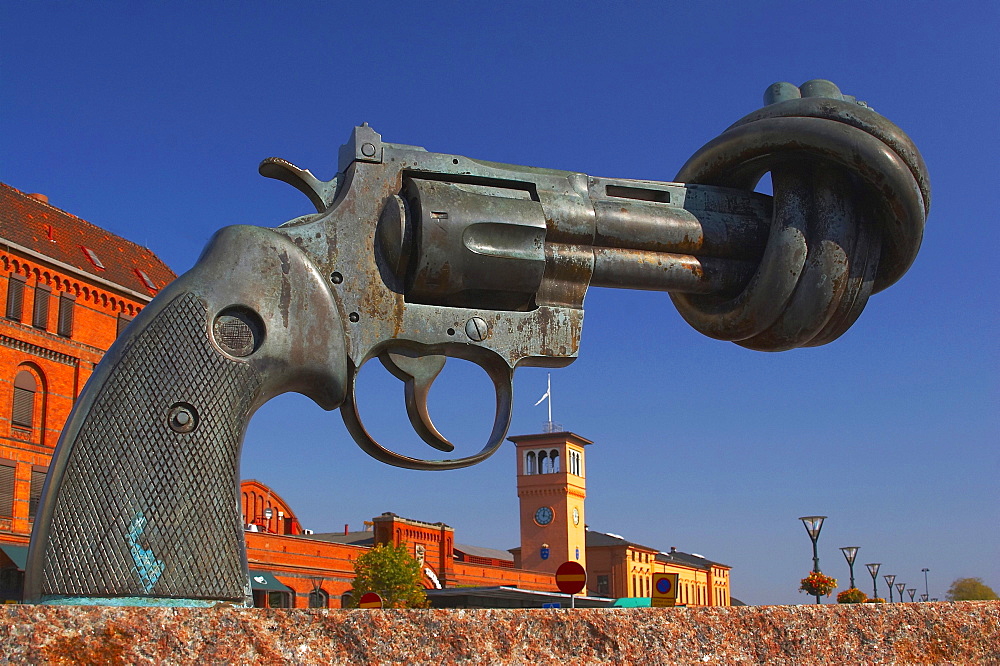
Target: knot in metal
x=851 y=194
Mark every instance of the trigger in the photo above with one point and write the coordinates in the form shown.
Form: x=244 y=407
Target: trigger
x=418 y=372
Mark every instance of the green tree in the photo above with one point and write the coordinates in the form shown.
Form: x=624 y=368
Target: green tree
x=391 y=572
x=969 y=589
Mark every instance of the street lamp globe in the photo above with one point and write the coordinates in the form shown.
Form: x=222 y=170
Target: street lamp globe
x=850 y=552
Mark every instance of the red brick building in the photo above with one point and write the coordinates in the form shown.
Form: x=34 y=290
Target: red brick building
x=68 y=288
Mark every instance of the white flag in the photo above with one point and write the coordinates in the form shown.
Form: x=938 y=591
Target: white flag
x=542 y=398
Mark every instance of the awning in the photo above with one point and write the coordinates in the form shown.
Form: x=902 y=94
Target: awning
x=632 y=602
x=265 y=580
x=19 y=554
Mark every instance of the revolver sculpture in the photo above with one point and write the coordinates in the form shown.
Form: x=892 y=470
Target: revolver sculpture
x=415 y=256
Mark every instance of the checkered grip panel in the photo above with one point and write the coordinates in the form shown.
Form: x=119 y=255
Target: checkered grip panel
x=143 y=510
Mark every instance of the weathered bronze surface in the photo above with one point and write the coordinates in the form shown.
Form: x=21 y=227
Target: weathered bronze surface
x=413 y=257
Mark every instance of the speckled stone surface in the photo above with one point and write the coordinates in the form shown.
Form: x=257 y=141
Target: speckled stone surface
x=911 y=633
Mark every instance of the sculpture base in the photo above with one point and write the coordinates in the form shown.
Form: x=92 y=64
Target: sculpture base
x=909 y=633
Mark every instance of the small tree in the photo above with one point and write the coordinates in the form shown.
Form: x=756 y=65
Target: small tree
x=391 y=572
x=969 y=589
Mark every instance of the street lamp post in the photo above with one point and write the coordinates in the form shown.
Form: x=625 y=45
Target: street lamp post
x=813 y=525
x=850 y=552
x=899 y=588
x=889 y=578
x=923 y=597
x=873 y=570
x=911 y=591
x=927 y=593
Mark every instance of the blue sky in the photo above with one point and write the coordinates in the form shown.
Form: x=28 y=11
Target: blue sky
x=149 y=119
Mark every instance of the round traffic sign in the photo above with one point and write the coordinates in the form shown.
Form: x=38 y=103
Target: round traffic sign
x=571 y=577
x=370 y=600
x=663 y=585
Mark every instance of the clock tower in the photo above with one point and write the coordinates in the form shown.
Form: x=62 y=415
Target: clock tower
x=551 y=486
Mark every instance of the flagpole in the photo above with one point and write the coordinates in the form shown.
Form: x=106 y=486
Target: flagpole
x=550 y=398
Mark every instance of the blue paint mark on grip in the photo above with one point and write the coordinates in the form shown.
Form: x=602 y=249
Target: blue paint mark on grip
x=147 y=566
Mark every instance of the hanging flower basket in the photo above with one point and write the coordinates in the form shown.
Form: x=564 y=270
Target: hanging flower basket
x=852 y=596
x=818 y=585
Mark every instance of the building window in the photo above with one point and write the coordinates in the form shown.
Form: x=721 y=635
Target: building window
x=66 y=314
x=345 y=599
x=6 y=489
x=40 y=314
x=279 y=600
x=123 y=321
x=25 y=387
x=529 y=463
x=603 y=587
x=319 y=599
x=15 y=296
x=38 y=475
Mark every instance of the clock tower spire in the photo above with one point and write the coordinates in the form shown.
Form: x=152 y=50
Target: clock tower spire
x=551 y=486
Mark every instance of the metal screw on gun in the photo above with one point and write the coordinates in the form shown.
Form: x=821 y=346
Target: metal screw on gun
x=476 y=328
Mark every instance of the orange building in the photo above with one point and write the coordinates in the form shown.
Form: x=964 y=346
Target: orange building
x=291 y=566
x=68 y=288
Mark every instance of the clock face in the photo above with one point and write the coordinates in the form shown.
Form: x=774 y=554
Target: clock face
x=544 y=515
x=576 y=516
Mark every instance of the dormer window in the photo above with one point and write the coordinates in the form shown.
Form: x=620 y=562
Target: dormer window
x=146 y=280
x=92 y=256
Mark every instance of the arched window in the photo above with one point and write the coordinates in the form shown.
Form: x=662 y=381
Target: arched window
x=529 y=466
x=345 y=599
x=318 y=598
x=25 y=388
x=542 y=462
x=554 y=461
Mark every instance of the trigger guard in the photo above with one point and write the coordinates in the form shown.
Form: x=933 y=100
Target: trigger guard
x=503 y=381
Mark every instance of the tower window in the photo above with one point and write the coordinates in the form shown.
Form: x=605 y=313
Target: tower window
x=23 y=412
x=529 y=463
x=575 y=463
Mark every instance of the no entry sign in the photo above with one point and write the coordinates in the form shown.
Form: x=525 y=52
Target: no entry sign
x=571 y=577
x=370 y=600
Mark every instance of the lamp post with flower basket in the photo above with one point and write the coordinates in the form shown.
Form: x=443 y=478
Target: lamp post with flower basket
x=811 y=583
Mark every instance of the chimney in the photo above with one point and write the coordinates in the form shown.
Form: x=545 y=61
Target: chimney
x=39 y=197
x=346 y=530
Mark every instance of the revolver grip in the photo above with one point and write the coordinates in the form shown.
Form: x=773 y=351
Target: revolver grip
x=142 y=499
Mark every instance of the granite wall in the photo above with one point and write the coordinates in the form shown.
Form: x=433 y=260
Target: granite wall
x=909 y=633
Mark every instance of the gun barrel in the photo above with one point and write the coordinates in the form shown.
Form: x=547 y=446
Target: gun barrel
x=666 y=271
x=699 y=232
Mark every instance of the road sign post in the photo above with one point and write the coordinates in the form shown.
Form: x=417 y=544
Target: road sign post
x=571 y=578
x=664 y=590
